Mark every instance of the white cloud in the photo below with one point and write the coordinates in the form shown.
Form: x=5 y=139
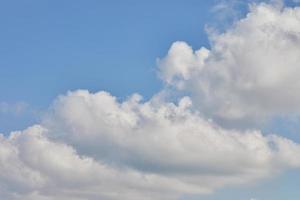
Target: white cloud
x=34 y=167
x=251 y=71
x=92 y=146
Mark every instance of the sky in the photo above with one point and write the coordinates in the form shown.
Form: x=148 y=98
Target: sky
x=94 y=45
x=149 y=100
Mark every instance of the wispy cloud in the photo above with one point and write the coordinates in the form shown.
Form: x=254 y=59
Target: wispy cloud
x=13 y=108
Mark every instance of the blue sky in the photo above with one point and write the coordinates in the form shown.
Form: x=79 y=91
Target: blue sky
x=51 y=47
x=66 y=46
x=94 y=45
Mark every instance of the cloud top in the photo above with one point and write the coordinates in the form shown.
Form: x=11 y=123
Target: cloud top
x=251 y=71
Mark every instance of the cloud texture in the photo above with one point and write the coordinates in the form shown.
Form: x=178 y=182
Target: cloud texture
x=92 y=146
x=251 y=71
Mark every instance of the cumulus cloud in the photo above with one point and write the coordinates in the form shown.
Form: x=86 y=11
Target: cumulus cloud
x=93 y=146
x=34 y=167
x=250 y=72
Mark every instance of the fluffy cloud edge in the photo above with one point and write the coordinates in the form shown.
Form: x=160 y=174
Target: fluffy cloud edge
x=250 y=72
x=92 y=146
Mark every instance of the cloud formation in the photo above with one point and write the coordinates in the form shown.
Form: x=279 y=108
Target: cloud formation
x=92 y=146
x=251 y=71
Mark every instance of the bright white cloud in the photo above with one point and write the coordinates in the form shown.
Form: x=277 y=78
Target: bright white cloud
x=92 y=146
x=34 y=167
x=251 y=71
